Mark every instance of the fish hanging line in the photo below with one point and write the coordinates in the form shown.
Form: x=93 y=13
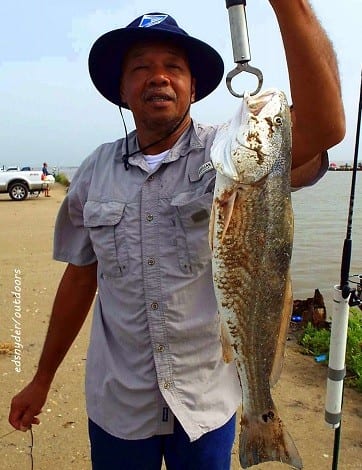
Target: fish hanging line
x=344 y=297
x=240 y=44
x=30 y=446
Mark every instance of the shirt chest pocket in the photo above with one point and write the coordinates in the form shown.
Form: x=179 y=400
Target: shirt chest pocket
x=192 y=231
x=107 y=229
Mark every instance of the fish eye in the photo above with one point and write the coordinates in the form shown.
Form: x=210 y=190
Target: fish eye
x=278 y=121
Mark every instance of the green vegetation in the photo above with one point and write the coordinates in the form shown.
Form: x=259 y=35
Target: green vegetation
x=62 y=179
x=316 y=342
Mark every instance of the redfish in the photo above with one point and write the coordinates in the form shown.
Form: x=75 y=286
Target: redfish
x=251 y=237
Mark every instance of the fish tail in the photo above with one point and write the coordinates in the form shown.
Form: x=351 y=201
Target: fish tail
x=265 y=439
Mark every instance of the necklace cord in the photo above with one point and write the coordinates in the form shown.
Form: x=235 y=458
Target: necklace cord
x=127 y=155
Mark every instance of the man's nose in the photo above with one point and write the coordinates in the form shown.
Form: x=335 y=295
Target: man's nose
x=159 y=78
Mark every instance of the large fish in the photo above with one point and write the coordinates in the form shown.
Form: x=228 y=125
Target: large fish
x=251 y=236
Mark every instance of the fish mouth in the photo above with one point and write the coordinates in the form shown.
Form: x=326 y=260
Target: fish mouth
x=254 y=154
x=246 y=147
x=259 y=103
x=258 y=151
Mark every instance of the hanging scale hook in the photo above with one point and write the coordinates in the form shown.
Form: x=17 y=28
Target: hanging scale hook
x=240 y=43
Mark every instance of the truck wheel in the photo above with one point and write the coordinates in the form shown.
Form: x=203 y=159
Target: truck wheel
x=18 y=191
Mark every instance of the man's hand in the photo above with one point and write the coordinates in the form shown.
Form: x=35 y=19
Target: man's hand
x=27 y=404
x=72 y=302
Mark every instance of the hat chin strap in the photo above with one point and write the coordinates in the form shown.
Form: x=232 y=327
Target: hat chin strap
x=126 y=156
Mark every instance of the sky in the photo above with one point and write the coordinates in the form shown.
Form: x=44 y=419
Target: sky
x=50 y=111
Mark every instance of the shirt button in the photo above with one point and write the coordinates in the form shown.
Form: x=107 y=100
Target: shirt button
x=160 y=348
x=154 y=306
x=151 y=178
x=167 y=385
x=149 y=217
x=151 y=261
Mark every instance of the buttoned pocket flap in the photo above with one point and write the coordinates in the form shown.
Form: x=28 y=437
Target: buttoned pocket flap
x=98 y=214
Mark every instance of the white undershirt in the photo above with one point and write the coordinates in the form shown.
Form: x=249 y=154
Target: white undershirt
x=154 y=160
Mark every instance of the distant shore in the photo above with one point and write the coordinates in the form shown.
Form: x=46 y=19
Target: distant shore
x=345 y=167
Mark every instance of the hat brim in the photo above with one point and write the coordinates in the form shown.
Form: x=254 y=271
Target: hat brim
x=106 y=55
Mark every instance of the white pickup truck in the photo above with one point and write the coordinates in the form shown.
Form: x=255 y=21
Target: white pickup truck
x=19 y=184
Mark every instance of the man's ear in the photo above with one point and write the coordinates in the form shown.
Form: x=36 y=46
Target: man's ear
x=193 y=90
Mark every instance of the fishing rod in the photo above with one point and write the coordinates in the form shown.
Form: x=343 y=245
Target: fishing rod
x=343 y=298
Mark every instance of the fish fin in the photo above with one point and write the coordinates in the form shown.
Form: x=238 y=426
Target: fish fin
x=227 y=350
x=227 y=208
x=265 y=439
x=212 y=227
x=283 y=333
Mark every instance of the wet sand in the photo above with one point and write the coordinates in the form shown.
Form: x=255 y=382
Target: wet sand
x=28 y=274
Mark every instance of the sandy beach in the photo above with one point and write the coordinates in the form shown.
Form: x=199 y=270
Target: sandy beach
x=28 y=281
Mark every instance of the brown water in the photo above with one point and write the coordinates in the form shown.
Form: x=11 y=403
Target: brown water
x=321 y=215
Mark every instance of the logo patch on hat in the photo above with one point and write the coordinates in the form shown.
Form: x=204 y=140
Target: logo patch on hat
x=151 y=20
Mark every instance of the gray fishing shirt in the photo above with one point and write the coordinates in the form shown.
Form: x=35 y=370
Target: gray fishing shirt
x=155 y=349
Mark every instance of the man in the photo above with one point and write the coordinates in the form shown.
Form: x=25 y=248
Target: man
x=135 y=225
x=44 y=175
x=45 y=169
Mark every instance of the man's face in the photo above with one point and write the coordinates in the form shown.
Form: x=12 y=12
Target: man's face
x=156 y=84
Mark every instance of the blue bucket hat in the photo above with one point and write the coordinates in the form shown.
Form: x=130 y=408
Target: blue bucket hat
x=107 y=53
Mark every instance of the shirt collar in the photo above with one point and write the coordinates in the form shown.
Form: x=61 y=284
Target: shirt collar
x=188 y=141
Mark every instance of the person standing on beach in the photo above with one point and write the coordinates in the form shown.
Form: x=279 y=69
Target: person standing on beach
x=44 y=175
x=134 y=228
